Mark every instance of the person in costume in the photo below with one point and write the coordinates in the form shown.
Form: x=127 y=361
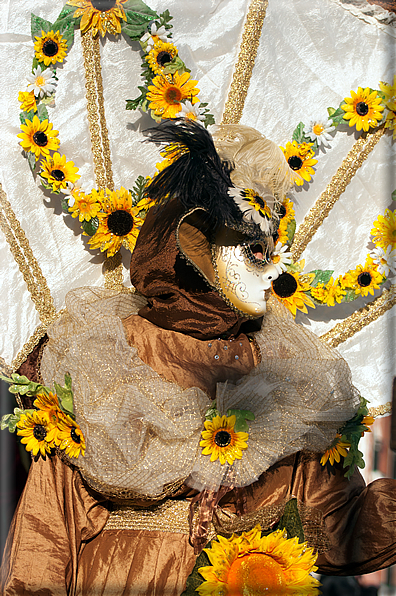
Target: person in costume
x=160 y=378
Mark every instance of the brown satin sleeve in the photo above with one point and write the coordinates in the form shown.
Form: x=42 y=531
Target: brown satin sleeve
x=55 y=514
x=187 y=361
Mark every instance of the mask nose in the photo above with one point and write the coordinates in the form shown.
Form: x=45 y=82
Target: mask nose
x=269 y=274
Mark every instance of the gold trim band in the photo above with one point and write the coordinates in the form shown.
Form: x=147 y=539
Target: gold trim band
x=243 y=70
x=381 y=410
x=315 y=217
x=170 y=516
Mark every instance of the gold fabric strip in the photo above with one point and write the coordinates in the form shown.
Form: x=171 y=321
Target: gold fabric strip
x=243 y=70
x=314 y=219
x=359 y=319
x=381 y=410
x=170 y=516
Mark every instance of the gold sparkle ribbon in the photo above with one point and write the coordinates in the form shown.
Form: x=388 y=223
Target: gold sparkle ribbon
x=337 y=185
x=244 y=67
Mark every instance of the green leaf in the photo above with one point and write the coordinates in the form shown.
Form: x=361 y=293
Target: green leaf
x=157 y=119
x=133 y=104
x=23 y=116
x=66 y=27
x=298 y=133
x=42 y=112
x=321 y=276
x=291 y=521
x=37 y=25
x=65 y=395
x=137 y=191
x=394 y=195
x=165 y=17
x=65 y=205
x=350 y=296
x=90 y=227
x=138 y=15
x=66 y=11
x=290 y=231
x=241 y=416
x=176 y=65
x=195 y=579
x=209 y=119
x=337 y=116
x=212 y=412
x=31 y=160
x=331 y=111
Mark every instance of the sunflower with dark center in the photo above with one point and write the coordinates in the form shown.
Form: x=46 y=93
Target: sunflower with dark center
x=364 y=279
x=161 y=54
x=167 y=92
x=37 y=432
x=50 y=48
x=291 y=291
x=38 y=137
x=103 y=16
x=363 y=109
x=58 y=172
x=221 y=441
x=300 y=160
x=69 y=437
x=119 y=222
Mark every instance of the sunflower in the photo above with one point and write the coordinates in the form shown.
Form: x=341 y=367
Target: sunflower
x=167 y=92
x=367 y=422
x=389 y=90
x=253 y=206
x=119 y=223
x=329 y=293
x=221 y=441
x=99 y=15
x=85 y=207
x=290 y=290
x=49 y=404
x=58 y=172
x=364 y=279
x=384 y=230
x=38 y=137
x=363 y=109
x=69 y=436
x=50 y=48
x=335 y=451
x=252 y=564
x=300 y=160
x=37 y=431
x=28 y=101
x=161 y=54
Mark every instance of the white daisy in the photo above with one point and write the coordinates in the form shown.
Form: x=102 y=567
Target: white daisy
x=42 y=82
x=319 y=130
x=281 y=257
x=191 y=112
x=385 y=259
x=254 y=207
x=154 y=32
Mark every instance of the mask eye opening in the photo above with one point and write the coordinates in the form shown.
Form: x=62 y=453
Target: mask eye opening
x=257 y=253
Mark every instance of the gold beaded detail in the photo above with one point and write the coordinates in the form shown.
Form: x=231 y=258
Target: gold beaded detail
x=243 y=70
x=381 y=410
x=169 y=516
x=315 y=217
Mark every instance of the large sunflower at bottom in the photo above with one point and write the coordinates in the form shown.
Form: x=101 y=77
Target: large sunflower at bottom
x=363 y=109
x=253 y=565
x=167 y=92
x=119 y=222
x=221 y=441
x=38 y=137
x=99 y=15
x=290 y=290
x=300 y=160
x=50 y=48
x=37 y=432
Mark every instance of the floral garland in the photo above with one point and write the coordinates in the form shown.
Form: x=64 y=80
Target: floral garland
x=51 y=425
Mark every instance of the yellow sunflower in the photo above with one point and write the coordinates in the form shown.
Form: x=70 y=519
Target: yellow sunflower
x=58 y=172
x=119 y=223
x=221 y=441
x=28 y=101
x=300 y=160
x=364 y=279
x=255 y=565
x=85 y=207
x=69 y=436
x=37 y=432
x=286 y=214
x=363 y=109
x=328 y=293
x=290 y=289
x=49 y=404
x=367 y=421
x=389 y=90
x=167 y=92
x=161 y=54
x=50 y=48
x=384 y=230
x=390 y=121
x=335 y=451
x=99 y=15
x=38 y=137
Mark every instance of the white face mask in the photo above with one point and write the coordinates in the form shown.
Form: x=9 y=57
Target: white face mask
x=244 y=278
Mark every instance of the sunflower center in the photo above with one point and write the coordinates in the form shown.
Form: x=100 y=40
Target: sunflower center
x=362 y=108
x=285 y=285
x=40 y=138
x=76 y=438
x=256 y=574
x=58 y=175
x=173 y=95
x=295 y=162
x=222 y=438
x=39 y=432
x=120 y=222
x=364 y=279
x=318 y=129
x=163 y=58
x=103 y=5
x=50 y=48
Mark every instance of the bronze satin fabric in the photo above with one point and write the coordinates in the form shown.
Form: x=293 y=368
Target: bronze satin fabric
x=178 y=297
x=57 y=547
x=187 y=361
